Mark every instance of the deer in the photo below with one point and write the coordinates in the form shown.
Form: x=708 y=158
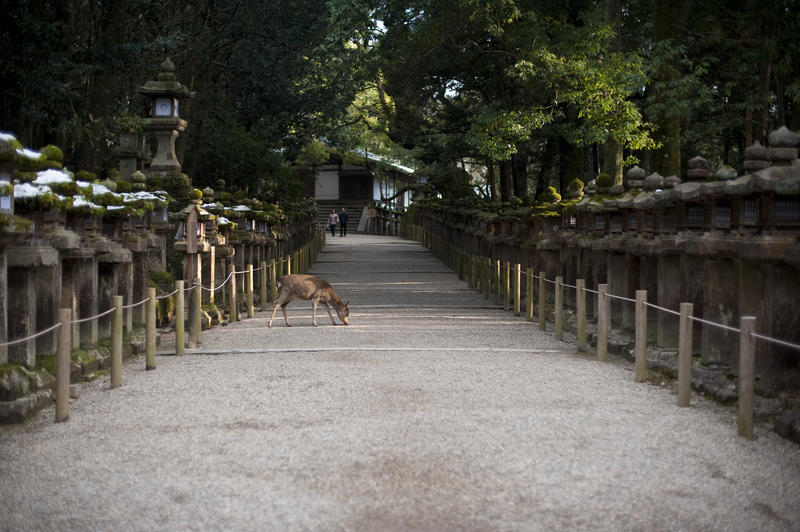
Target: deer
x=317 y=289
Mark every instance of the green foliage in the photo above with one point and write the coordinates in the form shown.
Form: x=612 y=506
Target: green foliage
x=313 y=154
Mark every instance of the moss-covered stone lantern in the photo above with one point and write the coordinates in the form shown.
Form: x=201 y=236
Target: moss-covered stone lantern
x=8 y=155
x=165 y=93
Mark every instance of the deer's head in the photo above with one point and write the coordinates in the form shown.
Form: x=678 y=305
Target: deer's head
x=343 y=312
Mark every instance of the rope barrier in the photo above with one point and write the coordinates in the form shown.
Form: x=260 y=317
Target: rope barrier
x=168 y=295
x=228 y=278
x=106 y=313
x=715 y=324
x=612 y=296
x=784 y=343
x=142 y=302
x=762 y=337
x=38 y=334
x=668 y=311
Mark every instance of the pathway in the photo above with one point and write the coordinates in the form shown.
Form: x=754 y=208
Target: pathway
x=433 y=410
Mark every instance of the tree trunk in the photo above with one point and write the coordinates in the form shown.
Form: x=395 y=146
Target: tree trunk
x=520 y=174
x=612 y=150
x=669 y=24
x=491 y=176
x=506 y=180
x=612 y=160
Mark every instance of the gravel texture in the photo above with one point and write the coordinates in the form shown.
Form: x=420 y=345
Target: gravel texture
x=434 y=410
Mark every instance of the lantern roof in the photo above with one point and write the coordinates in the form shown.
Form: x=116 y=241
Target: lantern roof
x=166 y=83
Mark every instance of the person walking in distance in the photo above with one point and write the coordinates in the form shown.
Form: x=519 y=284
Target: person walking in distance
x=343 y=216
x=333 y=219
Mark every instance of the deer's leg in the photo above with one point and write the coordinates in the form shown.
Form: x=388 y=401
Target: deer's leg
x=328 y=306
x=274 y=310
x=285 y=317
x=314 y=311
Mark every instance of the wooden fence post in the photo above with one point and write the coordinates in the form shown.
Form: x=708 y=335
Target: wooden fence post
x=559 y=308
x=197 y=312
x=602 y=322
x=747 y=377
x=150 y=329
x=517 y=288
x=250 y=309
x=273 y=280
x=640 y=345
x=498 y=281
x=63 y=352
x=542 y=311
x=685 y=355
x=580 y=311
x=507 y=287
x=262 y=275
x=180 y=319
x=487 y=275
x=529 y=294
x=116 y=342
x=234 y=310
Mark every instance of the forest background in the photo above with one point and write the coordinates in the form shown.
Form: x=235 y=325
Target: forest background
x=500 y=99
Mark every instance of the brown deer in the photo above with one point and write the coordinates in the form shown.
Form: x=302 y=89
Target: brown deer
x=300 y=286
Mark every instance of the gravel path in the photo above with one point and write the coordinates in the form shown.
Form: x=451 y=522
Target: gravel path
x=433 y=410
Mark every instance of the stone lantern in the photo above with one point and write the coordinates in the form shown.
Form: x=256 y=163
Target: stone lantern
x=165 y=94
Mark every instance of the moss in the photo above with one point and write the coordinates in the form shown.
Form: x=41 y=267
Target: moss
x=549 y=196
x=69 y=188
x=53 y=153
x=161 y=278
x=24 y=176
x=604 y=181
x=47 y=363
x=84 y=175
x=15 y=381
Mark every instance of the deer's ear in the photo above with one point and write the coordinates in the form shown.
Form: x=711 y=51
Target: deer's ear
x=346 y=303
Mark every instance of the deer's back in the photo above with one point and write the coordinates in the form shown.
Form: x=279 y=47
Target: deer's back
x=304 y=286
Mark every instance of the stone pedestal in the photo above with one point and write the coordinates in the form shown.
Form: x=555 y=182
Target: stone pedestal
x=720 y=302
x=669 y=282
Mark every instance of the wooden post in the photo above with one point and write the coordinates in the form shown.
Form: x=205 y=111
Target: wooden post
x=273 y=280
x=559 y=308
x=747 y=376
x=234 y=310
x=250 y=310
x=685 y=355
x=180 y=319
x=498 y=269
x=542 y=302
x=150 y=329
x=517 y=289
x=507 y=287
x=640 y=346
x=116 y=342
x=62 y=364
x=580 y=311
x=263 y=285
x=197 y=307
x=529 y=294
x=602 y=322
x=487 y=269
